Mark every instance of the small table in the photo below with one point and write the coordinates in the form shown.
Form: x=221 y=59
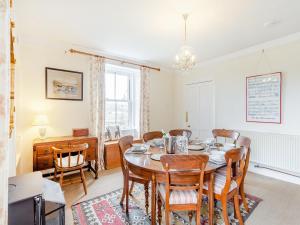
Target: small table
x=143 y=166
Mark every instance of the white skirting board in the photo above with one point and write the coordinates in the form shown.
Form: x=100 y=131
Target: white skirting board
x=273 y=174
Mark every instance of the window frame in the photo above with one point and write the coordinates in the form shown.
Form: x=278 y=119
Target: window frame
x=123 y=71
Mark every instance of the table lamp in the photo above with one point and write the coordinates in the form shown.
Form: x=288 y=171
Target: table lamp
x=41 y=121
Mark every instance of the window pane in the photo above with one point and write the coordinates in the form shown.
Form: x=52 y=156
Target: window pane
x=110 y=114
x=123 y=115
x=122 y=87
x=110 y=85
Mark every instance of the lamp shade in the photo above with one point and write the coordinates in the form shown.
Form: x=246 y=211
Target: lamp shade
x=40 y=120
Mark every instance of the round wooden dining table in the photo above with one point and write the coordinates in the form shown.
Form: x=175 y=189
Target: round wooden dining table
x=145 y=167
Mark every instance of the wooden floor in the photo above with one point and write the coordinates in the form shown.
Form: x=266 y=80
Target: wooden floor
x=280 y=205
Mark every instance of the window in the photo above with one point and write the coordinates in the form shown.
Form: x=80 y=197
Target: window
x=122 y=98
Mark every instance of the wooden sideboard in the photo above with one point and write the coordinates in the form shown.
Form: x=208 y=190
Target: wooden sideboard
x=112 y=154
x=43 y=152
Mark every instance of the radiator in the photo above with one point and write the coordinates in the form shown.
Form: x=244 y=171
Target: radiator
x=278 y=151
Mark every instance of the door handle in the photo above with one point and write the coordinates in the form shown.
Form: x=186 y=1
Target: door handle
x=186 y=117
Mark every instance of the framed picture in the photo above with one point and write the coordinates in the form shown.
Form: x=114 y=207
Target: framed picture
x=64 y=84
x=263 y=98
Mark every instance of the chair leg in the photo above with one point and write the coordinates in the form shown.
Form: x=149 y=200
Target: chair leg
x=159 y=203
x=55 y=174
x=124 y=192
x=83 y=180
x=224 y=210
x=131 y=187
x=242 y=193
x=190 y=214
x=167 y=214
x=61 y=179
x=237 y=209
x=146 y=187
x=198 y=217
x=127 y=193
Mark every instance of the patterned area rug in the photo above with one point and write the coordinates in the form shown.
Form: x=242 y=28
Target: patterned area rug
x=106 y=209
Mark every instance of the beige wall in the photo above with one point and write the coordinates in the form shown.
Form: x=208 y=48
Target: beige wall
x=65 y=115
x=161 y=100
x=229 y=78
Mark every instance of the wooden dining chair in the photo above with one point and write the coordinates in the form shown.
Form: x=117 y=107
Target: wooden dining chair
x=234 y=135
x=245 y=143
x=152 y=135
x=124 y=144
x=179 y=132
x=183 y=185
x=226 y=187
x=70 y=158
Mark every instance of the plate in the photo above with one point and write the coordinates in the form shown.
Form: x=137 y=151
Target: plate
x=217 y=157
x=137 y=149
x=157 y=142
x=196 y=147
x=228 y=146
x=156 y=156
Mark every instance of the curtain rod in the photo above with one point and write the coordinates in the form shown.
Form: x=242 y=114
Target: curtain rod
x=112 y=59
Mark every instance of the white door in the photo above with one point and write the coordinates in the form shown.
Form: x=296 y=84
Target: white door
x=200 y=109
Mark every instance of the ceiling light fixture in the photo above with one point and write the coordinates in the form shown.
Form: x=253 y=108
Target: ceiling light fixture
x=185 y=60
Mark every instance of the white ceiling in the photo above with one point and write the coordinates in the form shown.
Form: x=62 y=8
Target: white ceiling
x=152 y=30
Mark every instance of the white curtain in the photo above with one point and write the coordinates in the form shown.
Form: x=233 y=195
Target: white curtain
x=144 y=101
x=4 y=105
x=97 y=104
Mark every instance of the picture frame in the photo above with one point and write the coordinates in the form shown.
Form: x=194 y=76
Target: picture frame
x=63 y=84
x=264 y=98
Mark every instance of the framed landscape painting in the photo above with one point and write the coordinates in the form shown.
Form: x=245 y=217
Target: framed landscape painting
x=64 y=84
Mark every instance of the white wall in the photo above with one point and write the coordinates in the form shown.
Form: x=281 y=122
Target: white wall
x=229 y=77
x=65 y=115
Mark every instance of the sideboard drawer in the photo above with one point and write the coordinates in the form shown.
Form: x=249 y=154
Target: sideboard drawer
x=45 y=162
x=44 y=150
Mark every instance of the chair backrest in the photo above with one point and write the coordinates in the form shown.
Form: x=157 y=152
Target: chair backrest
x=70 y=156
x=152 y=135
x=184 y=169
x=179 y=132
x=235 y=167
x=245 y=142
x=124 y=144
x=234 y=135
x=184 y=172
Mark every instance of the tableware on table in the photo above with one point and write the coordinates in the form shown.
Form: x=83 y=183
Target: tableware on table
x=156 y=156
x=138 y=148
x=196 y=142
x=182 y=143
x=194 y=147
x=218 y=145
x=157 y=142
x=170 y=144
x=217 y=157
x=228 y=146
x=209 y=141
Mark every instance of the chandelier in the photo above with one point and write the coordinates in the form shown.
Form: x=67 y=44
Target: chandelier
x=185 y=60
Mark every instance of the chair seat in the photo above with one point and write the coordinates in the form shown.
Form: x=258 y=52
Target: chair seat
x=73 y=161
x=219 y=184
x=222 y=171
x=179 y=196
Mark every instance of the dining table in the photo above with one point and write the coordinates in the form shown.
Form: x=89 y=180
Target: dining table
x=144 y=166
